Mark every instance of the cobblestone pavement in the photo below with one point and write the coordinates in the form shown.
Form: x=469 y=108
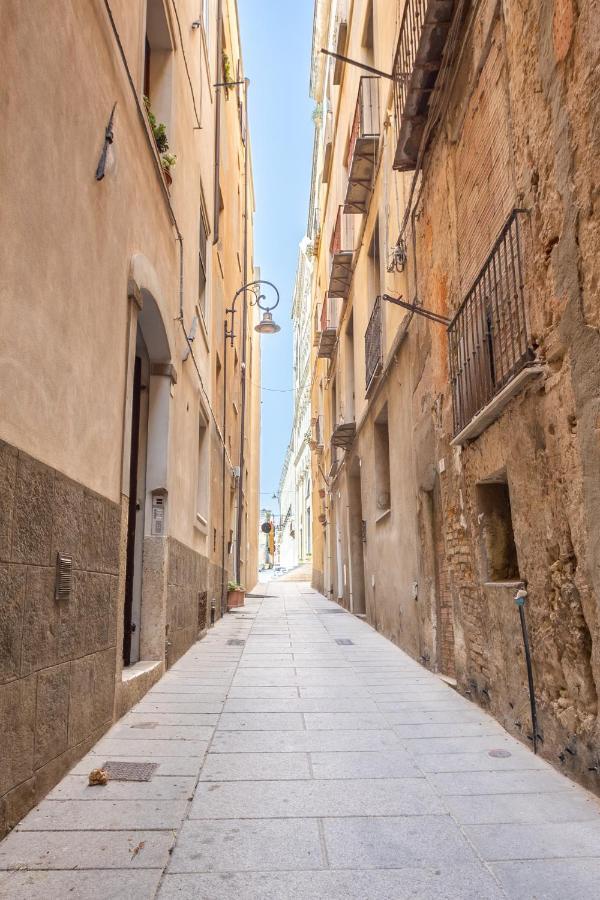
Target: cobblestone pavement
x=301 y=755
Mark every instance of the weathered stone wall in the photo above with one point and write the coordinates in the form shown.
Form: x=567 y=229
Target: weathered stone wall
x=545 y=443
x=57 y=659
x=187 y=592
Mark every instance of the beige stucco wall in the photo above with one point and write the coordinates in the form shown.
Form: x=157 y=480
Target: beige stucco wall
x=82 y=263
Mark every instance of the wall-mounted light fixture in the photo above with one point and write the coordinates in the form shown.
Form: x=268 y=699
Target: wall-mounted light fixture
x=106 y=163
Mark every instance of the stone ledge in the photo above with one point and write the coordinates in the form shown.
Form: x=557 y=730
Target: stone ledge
x=495 y=407
x=139 y=668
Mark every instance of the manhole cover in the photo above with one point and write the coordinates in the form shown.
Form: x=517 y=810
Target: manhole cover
x=236 y=642
x=344 y=642
x=500 y=754
x=119 y=770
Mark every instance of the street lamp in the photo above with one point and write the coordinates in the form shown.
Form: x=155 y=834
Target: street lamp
x=265 y=326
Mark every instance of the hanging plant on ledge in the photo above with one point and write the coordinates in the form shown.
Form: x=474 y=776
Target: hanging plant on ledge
x=159 y=130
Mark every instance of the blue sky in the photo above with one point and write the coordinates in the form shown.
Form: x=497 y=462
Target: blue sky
x=276 y=42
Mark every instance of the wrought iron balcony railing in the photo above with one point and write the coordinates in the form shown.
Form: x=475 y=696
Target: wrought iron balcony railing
x=330 y=311
x=489 y=340
x=421 y=44
x=342 y=253
x=362 y=149
x=374 y=345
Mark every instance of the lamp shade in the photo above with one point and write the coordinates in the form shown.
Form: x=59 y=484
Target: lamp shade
x=267 y=325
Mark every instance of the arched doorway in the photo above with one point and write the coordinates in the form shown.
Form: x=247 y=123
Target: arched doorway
x=145 y=472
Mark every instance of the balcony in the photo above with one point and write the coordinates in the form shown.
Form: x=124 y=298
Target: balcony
x=329 y=327
x=343 y=435
x=421 y=45
x=342 y=254
x=362 y=149
x=489 y=342
x=317 y=441
x=374 y=346
x=317 y=325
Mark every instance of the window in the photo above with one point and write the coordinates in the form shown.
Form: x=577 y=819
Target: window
x=158 y=57
x=374 y=267
x=381 y=440
x=202 y=482
x=202 y=259
x=498 y=549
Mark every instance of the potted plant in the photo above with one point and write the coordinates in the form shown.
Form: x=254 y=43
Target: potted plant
x=235 y=595
x=159 y=130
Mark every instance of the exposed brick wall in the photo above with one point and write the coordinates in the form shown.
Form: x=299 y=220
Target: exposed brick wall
x=483 y=167
x=57 y=659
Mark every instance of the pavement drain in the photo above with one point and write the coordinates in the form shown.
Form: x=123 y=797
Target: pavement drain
x=499 y=754
x=120 y=770
x=236 y=642
x=344 y=642
x=331 y=612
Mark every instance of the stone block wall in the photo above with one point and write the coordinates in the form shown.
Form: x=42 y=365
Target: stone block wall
x=57 y=658
x=192 y=583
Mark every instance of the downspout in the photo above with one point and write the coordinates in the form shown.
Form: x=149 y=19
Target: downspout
x=223 y=490
x=240 y=497
x=219 y=65
x=520 y=598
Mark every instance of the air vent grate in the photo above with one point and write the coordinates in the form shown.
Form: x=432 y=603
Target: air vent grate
x=121 y=770
x=64 y=577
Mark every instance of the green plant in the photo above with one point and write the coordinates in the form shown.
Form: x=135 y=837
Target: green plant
x=227 y=77
x=159 y=130
x=234 y=586
x=168 y=160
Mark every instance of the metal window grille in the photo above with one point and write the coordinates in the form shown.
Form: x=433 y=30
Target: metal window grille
x=373 y=345
x=488 y=339
x=406 y=53
x=342 y=238
x=366 y=116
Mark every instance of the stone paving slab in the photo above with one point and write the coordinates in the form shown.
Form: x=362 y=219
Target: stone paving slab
x=86 y=849
x=316 y=770
x=247 y=721
x=104 y=815
x=274 y=799
x=549 y=879
x=76 y=787
x=466 y=883
x=395 y=842
x=236 y=845
x=114 y=884
x=255 y=766
x=301 y=741
x=380 y=764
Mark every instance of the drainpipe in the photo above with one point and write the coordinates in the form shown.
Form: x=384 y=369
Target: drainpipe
x=240 y=491
x=219 y=66
x=520 y=598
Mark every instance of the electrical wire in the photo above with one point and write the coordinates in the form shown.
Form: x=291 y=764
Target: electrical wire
x=198 y=125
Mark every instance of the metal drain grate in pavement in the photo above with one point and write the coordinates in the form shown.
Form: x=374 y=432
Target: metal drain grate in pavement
x=236 y=642
x=331 y=612
x=344 y=642
x=120 y=770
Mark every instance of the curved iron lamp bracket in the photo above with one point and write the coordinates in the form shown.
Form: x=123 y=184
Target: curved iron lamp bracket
x=253 y=287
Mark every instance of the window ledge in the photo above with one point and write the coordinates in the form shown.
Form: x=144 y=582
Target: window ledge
x=140 y=668
x=514 y=585
x=382 y=515
x=495 y=407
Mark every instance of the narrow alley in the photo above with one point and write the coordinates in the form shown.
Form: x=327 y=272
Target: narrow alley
x=299 y=754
